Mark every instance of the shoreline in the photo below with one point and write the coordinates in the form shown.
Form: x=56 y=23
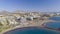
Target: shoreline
x=8 y=30
x=15 y=28
x=21 y=26
x=30 y=27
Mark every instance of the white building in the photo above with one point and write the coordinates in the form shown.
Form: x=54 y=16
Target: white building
x=29 y=18
x=58 y=13
x=23 y=20
x=11 y=20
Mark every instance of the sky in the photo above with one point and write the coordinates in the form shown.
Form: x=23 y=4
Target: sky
x=36 y=5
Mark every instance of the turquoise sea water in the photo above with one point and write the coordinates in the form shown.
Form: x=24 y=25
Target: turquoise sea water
x=57 y=18
x=32 y=30
x=53 y=25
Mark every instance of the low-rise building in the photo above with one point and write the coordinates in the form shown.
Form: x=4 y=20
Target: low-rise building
x=3 y=20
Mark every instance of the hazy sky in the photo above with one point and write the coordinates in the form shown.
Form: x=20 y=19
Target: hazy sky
x=40 y=5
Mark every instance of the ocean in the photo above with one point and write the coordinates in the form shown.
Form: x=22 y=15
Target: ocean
x=54 y=25
x=57 y=18
x=35 y=30
x=31 y=30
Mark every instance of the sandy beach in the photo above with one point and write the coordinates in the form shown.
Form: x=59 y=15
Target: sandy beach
x=29 y=25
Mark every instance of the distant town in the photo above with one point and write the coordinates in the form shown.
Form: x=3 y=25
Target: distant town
x=9 y=21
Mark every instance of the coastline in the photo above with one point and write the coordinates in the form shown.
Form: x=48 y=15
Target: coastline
x=16 y=28
x=31 y=25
